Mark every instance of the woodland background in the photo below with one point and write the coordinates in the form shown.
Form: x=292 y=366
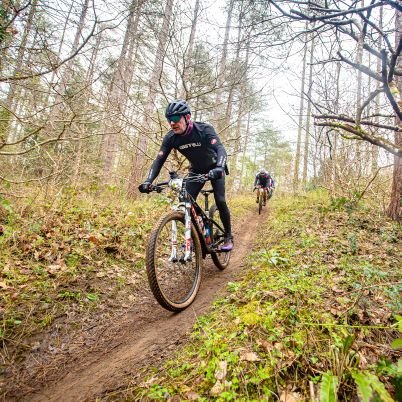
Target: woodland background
x=84 y=84
x=310 y=90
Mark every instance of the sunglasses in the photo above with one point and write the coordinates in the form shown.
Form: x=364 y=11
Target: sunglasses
x=175 y=118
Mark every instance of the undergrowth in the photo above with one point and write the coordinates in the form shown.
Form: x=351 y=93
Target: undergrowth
x=317 y=316
x=70 y=256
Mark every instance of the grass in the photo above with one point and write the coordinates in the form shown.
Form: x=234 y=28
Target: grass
x=315 y=317
x=79 y=253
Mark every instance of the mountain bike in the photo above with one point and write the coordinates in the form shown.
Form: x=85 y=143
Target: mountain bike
x=261 y=198
x=179 y=241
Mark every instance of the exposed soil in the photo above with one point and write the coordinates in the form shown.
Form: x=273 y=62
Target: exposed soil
x=109 y=354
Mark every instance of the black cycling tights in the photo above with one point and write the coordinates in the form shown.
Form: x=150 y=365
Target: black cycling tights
x=218 y=186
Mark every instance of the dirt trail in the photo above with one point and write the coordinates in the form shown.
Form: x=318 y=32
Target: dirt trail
x=145 y=335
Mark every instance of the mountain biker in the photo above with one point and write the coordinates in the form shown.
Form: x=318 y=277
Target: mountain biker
x=265 y=180
x=200 y=144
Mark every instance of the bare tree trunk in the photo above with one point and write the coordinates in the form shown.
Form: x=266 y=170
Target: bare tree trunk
x=65 y=80
x=80 y=155
x=246 y=139
x=13 y=92
x=359 y=96
x=139 y=160
x=394 y=208
x=335 y=139
x=240 y=114
x=119 y=89
x=219 y=117
x=374 y=149
x=301 y=111
x=189 y=51
x=307 y=137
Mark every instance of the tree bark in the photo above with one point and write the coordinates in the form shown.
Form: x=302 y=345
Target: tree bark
x=189 y=51
x=219 y=115
x=118 y=93
x=394 y=208
x=142 y=145
x=307 y=135
x=301 y=111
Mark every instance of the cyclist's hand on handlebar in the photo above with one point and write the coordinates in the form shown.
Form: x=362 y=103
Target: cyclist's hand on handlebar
x=145 y=187
x=216 y=173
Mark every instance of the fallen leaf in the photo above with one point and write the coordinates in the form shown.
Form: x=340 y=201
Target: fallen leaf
x=287 y=396
x=265 y=344
x=250 y=357
x=192 y=396
x=216 y=389
x=221 y=372
x=94 y=239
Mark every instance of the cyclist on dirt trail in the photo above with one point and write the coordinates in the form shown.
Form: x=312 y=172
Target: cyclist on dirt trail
x=200 y=144
x=265 y=180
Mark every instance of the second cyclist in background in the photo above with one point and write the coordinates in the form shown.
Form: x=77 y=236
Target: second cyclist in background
x=265 y=180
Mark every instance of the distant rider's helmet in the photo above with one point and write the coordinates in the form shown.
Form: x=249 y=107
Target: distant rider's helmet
x=262 y=171
x=177 y=107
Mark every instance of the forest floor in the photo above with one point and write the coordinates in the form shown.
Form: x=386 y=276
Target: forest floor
x=309 y=304
x=85 y=354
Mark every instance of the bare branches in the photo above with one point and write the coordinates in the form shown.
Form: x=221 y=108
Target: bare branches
x=362 y=26
x=360 y=67
x=363 y=122
x=386 y=79
x=53 y=67
x=359 y=133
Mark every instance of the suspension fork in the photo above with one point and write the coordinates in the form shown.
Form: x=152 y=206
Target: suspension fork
x=187 y=230
x=186 y=208
x=173 y=254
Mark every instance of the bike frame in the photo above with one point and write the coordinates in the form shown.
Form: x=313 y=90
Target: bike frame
x=193 y=213
x=261 y=191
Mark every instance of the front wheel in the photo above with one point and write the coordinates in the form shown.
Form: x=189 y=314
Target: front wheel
x=174 y=282
x=260 y=201
x=221 y=259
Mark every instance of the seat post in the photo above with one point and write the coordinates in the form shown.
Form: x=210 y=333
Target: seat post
x=206 y=194
x=206 y=201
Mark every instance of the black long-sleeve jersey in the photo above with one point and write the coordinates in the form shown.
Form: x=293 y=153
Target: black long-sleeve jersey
x=264 y=180
x=200 y=145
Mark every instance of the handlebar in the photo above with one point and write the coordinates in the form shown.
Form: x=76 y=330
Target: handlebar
x=179 y=181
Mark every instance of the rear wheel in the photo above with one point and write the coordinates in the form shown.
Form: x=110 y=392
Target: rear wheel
x=221 y=259
x=173 y=281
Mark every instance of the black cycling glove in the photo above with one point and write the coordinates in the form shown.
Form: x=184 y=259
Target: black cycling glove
x=145 y=187
x=216 y=173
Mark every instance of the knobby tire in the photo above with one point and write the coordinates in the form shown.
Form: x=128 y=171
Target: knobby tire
x=164 y=276
x=260 y=201
x=220 y=259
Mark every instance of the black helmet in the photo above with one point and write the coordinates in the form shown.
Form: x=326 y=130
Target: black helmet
x=178 y=107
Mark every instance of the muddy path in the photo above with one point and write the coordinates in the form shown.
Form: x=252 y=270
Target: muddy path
x=146 y=334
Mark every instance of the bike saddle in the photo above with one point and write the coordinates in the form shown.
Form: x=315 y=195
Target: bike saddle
x=207 y=191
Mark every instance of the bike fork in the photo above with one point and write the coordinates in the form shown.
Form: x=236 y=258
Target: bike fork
x=173 y=255
x=187 y=231
x=187 y=237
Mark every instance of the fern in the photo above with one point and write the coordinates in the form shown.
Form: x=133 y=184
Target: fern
x=364 y=389
x=328 y=388
x=368 y=384
x=379 y=387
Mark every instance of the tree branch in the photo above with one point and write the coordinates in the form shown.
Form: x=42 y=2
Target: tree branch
x=360 y=134
x=387 y=89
